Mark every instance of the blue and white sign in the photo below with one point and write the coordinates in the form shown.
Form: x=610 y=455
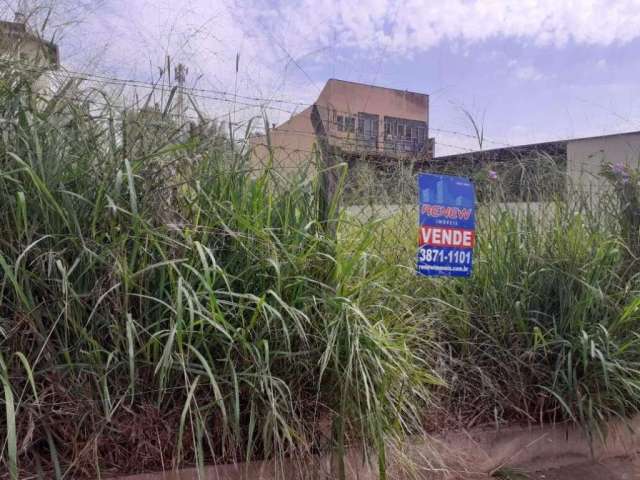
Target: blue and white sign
x=447 y=225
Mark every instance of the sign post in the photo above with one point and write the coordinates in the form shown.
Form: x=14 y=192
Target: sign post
x=447 y=234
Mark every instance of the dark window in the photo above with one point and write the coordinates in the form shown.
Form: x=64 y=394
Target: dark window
x=350 y=124
x=390 y=127
x=405 y=135
x=346 y=123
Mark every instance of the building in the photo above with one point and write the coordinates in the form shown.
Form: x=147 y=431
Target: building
x=582 y=159
x=22 y=48
x=360 y=122
x=586 y=156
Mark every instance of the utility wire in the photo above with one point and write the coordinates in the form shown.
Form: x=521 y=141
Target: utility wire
x=222 y=96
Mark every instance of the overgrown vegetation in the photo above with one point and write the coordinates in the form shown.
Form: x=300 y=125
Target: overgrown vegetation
x=164 y=303
x=171 y=306
x=546 y=330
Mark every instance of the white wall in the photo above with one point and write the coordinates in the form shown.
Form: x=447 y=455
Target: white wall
x=585 y=158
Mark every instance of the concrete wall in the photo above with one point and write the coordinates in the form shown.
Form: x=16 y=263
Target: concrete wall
x=292 y=144
x=586 y=156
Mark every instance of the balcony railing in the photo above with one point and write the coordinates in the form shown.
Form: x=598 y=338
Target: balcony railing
x=412 y=145
x=399 y=147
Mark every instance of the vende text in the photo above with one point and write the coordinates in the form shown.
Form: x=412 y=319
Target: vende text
x=447 y=237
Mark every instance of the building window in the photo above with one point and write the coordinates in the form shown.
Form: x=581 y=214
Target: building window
x=390 y=129
x=402 y=134
x=346 y=123
x=368 y=125
x=350 y=124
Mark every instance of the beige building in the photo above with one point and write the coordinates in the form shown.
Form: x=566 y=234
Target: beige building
x=22 y=48
x=586 y=157
x=360 y=122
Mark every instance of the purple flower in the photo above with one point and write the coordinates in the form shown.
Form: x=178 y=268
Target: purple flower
x=493 y=175
x=619 y=169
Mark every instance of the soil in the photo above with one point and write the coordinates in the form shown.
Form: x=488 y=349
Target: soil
x=615 y=469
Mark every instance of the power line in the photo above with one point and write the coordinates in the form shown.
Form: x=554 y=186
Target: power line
x=147 y=84
x=229 y=97
x=156 y=87
x=468 y=135
x=222 y=97
x=466 y=149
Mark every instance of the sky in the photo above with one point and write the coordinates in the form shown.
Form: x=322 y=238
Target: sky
x=527 y=70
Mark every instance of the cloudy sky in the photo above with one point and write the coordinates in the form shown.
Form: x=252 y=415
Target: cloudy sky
x=532 y=69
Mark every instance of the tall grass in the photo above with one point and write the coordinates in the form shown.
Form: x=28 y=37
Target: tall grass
x=546 y=329
x=164 y=304
x=540 y=325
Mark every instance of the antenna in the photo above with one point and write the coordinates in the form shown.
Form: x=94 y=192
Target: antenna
x=235 y=87
x=20 y=15
x=180 y=74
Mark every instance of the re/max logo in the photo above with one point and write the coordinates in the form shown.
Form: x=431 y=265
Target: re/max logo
x=437 y=211
x=447 y=237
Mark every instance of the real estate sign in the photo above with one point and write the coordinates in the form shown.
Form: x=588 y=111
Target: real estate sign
x=447 y=225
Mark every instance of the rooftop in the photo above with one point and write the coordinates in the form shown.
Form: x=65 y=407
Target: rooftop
x=375 y=86
x=541 y=146
x=10 y=27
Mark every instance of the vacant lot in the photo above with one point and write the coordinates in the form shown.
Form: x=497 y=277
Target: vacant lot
x=165 y=304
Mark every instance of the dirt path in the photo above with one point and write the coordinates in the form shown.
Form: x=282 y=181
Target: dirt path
x=617 y=469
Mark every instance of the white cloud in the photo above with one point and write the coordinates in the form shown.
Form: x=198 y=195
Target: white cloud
x=266 y=29
x=403 y=26
x=217 y=28
x=280 y=42
x=525 y=71
x=528 y=73
x=131 y=39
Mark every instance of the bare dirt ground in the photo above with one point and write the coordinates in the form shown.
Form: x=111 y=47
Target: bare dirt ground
x=615 y=469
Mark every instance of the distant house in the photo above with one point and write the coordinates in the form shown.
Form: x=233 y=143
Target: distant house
x=21 y=48
x=360 y=121
x=581 y=159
